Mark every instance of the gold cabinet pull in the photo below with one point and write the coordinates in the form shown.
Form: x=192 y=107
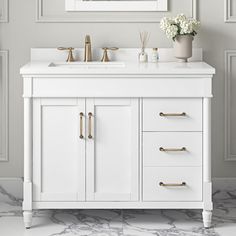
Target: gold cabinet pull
x=172 y=114
x=90 y=114
x=81 y=125
x=183 y=149
x=172 y=185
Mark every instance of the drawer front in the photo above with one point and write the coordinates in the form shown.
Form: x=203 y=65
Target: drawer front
x=153 y=190
x=172 y=114
x=172 y=148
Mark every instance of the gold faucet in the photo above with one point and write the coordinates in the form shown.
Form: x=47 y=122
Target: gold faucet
x=87 y=49
x=70 y=57
x=105 y=57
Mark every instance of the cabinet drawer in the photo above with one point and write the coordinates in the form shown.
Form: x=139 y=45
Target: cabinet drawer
x=172 y=114
x=172 y=148
x=153 y=190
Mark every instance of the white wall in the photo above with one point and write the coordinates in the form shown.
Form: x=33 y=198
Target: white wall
x=23 y=32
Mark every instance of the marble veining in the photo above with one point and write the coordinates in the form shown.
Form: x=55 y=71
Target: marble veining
x=118 y=222
x=12 y=199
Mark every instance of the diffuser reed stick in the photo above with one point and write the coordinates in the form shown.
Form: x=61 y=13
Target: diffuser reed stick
x=144 y=37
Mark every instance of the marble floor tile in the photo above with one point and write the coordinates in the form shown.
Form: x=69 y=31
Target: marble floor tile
x=165 y=222
x=118 y=222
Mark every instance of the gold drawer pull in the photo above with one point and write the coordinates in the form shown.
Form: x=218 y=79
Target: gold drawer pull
x=172 y=114
x=81 y=125
x=183 y=149
x=172 y=185
x=90 y=114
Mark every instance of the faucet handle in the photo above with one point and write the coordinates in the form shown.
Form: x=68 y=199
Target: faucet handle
x=64 y=48
x=110 y=48
x=70 y=57
x=105 y=57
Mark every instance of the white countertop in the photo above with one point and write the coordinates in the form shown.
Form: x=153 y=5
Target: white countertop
x=130 y=68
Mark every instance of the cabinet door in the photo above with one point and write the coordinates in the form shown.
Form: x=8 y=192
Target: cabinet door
x=112 y=150
x=58 y=150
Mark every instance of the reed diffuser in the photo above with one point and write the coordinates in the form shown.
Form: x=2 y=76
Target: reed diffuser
x=144 y=37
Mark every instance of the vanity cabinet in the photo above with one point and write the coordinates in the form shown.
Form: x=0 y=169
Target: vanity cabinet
x=129 y=138
x=85 y=149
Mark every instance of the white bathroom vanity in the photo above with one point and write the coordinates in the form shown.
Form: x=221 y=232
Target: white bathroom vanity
x=117 y=135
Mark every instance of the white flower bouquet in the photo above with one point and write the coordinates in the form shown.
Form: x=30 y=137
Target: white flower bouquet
x=179 y=25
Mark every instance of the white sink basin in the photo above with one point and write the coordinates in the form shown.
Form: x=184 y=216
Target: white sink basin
x=87 y=65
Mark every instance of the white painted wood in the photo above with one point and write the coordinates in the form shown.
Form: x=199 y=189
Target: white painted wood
x=28 y=87
x=114 y=6
x=194 y=13
x=4 y=129
x=104 y=17
x=112 y=154
x=207 y=183
x=121 y=161
x=140 y=150
x=126 y=87
x=59 y=153
x=27 y=193
x=207 y=216
x=28 y=154
x=153 y=141
x=228 y=17
x=118 y=205
x=27 y=219
x=192 y=176
x=70 y=4
x=4 y=12
x=207 y=139
x=207 y=196
x=152 y=121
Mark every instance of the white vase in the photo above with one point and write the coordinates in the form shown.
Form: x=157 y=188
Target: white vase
x=142 y=56
x=183 y=45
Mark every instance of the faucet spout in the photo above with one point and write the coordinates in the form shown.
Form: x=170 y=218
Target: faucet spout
x=87 y=49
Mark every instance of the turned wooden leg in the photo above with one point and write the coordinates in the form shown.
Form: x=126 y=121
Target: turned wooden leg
x=28 y=154
x=206 y=216
x=28 y=219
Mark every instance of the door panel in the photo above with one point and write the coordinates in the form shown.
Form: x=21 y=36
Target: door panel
x=59 y=153
x=112 y=152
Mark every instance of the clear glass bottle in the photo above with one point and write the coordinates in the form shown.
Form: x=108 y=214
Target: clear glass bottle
x=155 y=55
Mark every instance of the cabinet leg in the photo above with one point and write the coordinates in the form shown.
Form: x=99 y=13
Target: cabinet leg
x=206 y=216
x=27 y=218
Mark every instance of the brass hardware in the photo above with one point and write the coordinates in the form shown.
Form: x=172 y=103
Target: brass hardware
x=172 y=114
x=172 y=185
x=105 y=57
x=90 y=114
x=70 y=57
x=87 y=49
x=183 y=149
x=81 y=125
